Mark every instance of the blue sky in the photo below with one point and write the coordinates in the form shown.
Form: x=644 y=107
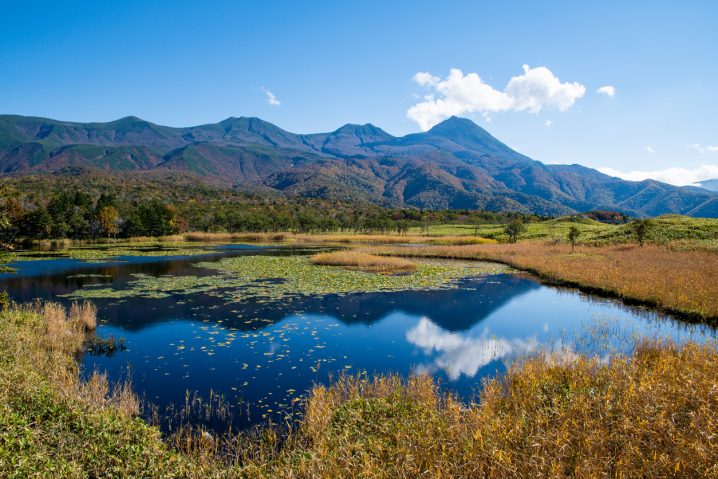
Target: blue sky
x=184 y=63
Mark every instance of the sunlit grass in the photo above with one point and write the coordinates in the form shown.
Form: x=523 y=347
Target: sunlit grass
x=651 y=414
x=648 y=414
x=335 y=238
x=684 y=282
x=364 y=262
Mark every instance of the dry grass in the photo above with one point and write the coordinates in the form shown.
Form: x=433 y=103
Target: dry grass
x=684 y=282
x=63 y=335
x=356 y=260
x=648 y=415
x=391 y=239
x=228 y=237
x=334 y=238
x=85 y=314
x=56 y=425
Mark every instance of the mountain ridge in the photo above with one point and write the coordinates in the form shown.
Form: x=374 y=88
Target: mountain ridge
x=456 y=164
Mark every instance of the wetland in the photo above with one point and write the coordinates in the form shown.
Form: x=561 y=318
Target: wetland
x=252 y=328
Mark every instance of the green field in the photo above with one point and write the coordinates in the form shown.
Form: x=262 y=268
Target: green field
x=700 y=232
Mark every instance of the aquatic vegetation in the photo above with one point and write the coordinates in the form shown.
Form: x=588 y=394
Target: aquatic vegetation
x=109 y=346
x=271 y=278
x=359 y=261
x=109 y=251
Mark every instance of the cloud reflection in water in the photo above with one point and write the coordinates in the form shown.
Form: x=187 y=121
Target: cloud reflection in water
x=459 y=354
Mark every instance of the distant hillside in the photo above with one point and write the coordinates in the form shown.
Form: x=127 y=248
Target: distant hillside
x=456 y=164
x=710 y=185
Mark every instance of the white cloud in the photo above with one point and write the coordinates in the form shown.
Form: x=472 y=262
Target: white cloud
x=458 y=354
x=271 y=98
x=460 y=94
x=704 y=149
x=424 y=79
x=675 y=175
x=650 y=149
x=607 y=90
x=547 y=123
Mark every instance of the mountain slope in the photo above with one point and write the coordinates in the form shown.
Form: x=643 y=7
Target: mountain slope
x=456 y=164
x=711 y=185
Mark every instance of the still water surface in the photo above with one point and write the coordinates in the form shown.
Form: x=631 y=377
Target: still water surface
x=260 y=355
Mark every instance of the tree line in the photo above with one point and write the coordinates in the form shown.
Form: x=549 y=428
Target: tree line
x=85 y=213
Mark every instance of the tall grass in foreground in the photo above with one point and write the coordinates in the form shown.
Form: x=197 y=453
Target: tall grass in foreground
x=684 y=282
x=649 y=414
x=364 y=262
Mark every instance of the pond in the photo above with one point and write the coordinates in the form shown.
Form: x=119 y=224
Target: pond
x=204 y=327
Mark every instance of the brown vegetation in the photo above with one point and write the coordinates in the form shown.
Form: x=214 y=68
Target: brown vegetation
x=683 y=282
x=356 y=260
x=228 y=237
x=338 y=238
x=649 y=414
x=63 y=335
x=84 y=314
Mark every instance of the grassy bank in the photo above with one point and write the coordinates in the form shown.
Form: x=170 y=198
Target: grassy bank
x=682 y=232
x=53 y=424
x=651 y=414
x=682 y=282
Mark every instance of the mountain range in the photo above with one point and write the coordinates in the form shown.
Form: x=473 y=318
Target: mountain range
x=455 y=165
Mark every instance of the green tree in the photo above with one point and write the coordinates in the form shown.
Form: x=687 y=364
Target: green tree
x=37 y=224
x=9 y=209
x=573 y=234
x=640 y=231
x=514 y=229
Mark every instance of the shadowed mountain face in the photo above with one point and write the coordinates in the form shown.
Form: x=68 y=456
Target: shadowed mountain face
x=456 y=164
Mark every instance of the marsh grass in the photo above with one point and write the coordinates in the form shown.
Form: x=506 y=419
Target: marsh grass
x=236 y=237
x=53 y=423
x=682 y=282
x=85 y=314
x=650 y=413
x=334 y=238
x=63 y=333
x=357 y=260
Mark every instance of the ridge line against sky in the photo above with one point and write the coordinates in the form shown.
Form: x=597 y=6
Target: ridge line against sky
x=627 y=89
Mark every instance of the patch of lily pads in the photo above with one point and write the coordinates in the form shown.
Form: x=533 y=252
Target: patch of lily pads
x=272 y=278
x=110 y=251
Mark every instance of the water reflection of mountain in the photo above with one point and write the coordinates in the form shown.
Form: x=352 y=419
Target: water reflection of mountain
x=453 y=309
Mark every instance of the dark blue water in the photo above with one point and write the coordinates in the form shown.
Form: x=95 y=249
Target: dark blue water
x=260 y=356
